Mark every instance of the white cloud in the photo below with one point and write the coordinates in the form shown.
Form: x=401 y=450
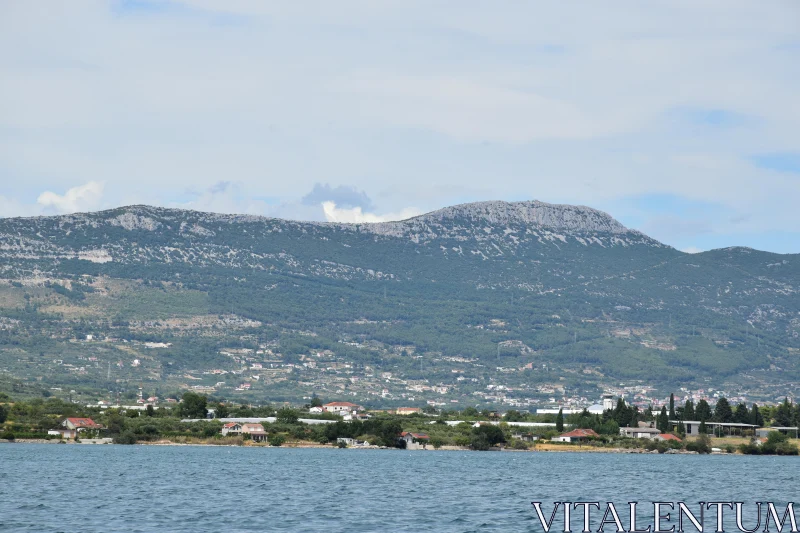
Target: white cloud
x=81 y=198
x=356 y=215
x=413 y=103
x=692 y=250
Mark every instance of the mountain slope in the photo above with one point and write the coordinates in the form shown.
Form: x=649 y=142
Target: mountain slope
x=532 y=287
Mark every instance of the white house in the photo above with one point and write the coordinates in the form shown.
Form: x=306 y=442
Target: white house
x=639 y=433
x=315 y=410
x=232 y=428
x=339 y=407
x=414 y=441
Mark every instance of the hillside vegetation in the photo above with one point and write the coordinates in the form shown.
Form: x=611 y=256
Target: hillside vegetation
x=528 y=297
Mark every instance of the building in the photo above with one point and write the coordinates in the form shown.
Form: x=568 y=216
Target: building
x=233 y=428
x=339 y=407
x=315 y=410
x=256 y=432
x=608 y=401
x=720 y=429
x=74 y=426
x=414 y=441
x=408 y=411
x=639 y=433
x=576 y=435
x=786 y=430
x=666 y=436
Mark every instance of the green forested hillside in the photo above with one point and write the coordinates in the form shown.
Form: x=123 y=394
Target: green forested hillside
x=531 y=297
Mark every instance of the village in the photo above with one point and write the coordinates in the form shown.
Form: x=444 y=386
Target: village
x=348 y=425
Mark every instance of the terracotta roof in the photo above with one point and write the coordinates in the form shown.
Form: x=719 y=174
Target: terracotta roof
x=231 y=424
x=669 y=436
x=84 y=423
x=415 y=435
x=580 y=433
x=340 y=404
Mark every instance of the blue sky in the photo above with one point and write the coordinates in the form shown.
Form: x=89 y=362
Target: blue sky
x=678 y=118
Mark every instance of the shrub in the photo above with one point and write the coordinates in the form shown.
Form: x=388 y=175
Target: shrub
x=519 y=445
x=126 y=437
x=277 y=440
x=701 y=445
x=480 y=442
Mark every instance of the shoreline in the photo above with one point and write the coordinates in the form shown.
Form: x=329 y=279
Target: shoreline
x=310 y=445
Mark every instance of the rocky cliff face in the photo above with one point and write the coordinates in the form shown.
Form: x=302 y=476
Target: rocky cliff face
x=515 y=222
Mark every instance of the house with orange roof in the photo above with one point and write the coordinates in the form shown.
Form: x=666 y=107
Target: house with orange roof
x=414 y=441
x=667 y=437
x=232 y=428
x=255 y=431
x=73 y=426
x=576 y=435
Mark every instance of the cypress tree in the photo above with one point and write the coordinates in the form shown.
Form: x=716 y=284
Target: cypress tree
x=560 y=421
x=663 y=420
x=671 y=406
x=703 y=411
x=755 y=416
x=688 y=410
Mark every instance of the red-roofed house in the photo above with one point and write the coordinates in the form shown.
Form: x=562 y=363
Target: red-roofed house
x=72 y=426
x=414 y=441
x=576 y=435
x=667 y=436
x=339 y=407
x=256 y=432
x=232 y=428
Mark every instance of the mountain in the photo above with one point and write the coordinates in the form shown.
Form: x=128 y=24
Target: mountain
x=526 y=296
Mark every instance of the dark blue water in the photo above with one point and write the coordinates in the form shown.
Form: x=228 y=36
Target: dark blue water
x=199 y=489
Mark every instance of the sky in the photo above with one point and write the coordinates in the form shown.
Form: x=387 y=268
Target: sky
x=679 y=118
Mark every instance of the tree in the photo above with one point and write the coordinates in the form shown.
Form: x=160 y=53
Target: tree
x=3 y=414
x=149 y=411
x=663 y=420
x=287 y=415
x=688 y=410
x=560 y=421
x=755 y=416
x=487 y=434
x=193 y=405
x=741 y=414
x=671 y=406
x=513 y=416
x=315 y=401
x=703 y=411
x=702 y=429
x=221 y=410
x=723 y=411
x=783 y=414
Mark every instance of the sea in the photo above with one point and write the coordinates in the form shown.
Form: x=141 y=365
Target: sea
x=102 y=488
